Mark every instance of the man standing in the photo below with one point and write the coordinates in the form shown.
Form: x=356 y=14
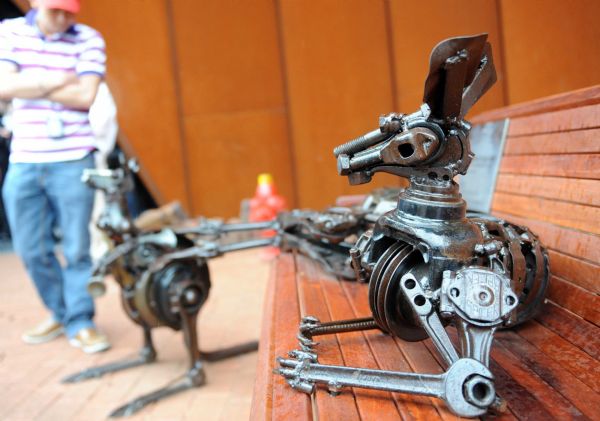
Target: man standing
x=50 y=67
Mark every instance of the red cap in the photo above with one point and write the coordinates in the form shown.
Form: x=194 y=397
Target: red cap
x=66 y=5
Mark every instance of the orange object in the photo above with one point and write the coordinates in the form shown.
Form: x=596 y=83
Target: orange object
x=266 y=203
x=264 y=206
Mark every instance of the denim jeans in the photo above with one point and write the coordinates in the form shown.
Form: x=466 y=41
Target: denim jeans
x=39 y=197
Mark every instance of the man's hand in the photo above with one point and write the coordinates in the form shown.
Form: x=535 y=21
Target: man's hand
x=14 y=84
x=80 y=94
x=55 y=80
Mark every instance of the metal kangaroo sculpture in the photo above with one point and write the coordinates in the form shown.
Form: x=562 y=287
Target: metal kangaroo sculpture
x=164 y=280
x=427 y=263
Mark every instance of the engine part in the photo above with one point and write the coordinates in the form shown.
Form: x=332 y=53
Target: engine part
x=428 y=264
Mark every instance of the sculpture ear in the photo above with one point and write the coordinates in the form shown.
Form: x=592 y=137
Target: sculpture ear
x=484 y=79
x=461 y=70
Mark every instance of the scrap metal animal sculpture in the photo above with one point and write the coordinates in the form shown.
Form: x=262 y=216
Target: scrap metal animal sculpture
x=427 y=263
x=161 y=282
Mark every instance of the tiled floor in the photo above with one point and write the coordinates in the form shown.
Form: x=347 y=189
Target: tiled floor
x=30 y=387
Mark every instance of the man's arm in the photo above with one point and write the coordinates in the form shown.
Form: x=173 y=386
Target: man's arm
x=14 y=85
x=80 y=94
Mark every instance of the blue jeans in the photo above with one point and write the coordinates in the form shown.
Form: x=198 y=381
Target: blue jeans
x=39 y=197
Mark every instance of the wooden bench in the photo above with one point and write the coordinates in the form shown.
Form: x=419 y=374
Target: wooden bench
x=547 y=369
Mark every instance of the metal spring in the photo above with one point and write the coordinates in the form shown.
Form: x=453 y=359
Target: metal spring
x=341 y=328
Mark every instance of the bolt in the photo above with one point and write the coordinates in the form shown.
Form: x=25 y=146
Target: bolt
x=360 y=143
x=334 y=388
x=479 y=391
x=343 y=164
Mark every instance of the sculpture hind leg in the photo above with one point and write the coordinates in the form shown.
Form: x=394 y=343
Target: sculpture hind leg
x=147 y=355
x=189 y=299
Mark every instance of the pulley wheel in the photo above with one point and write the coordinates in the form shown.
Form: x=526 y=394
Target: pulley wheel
x=172 y=281
x=157 y=295
x=375 y=280
x=399 y=314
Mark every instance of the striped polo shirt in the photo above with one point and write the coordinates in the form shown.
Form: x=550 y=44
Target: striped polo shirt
x=81 y=50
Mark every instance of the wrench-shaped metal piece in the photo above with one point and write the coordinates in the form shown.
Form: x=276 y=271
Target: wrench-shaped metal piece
x=467 y=386
x=428 y=318
x=475 y=341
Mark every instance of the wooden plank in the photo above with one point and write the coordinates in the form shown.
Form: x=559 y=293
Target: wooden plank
x=520 y=400
x=313 y=303
x=356 y=353
x=587 y=117
x=262 y=396
x=287 y=403
x=573 y=166
x=585 y=218
x=565 y=240
x=578 y=98
x=577 y=271
x=389 y=357
x=540 y=374
x=572 y=328
x=578 y=141
x=585 y=192
x=576 y=299
x=570 y=357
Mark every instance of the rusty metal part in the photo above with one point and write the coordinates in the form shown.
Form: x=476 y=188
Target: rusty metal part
x=428 y=264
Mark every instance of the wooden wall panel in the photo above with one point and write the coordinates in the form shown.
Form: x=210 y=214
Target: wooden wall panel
x=418 y=26
x=551 y=46
x=228 y=56
x=140 y=76
x=223 y=164
x=338 y=80
x=233 y=103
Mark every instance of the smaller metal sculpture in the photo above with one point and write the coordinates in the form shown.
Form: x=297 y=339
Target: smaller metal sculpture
x=164 y=281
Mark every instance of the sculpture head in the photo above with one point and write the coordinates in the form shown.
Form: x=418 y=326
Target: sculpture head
x=430 y=145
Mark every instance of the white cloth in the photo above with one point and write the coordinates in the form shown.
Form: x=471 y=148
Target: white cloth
x=103 y=120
